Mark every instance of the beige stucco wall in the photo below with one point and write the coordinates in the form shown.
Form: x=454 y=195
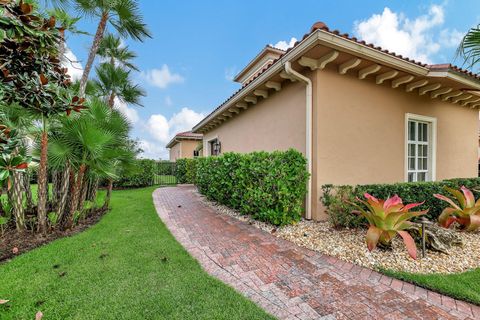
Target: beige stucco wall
x=175 y=152
x=358 y=131
x=361 y=133
x=183 y=149
x=276 y=123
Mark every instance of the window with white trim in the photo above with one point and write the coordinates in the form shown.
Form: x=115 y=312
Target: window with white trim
x=420 y=149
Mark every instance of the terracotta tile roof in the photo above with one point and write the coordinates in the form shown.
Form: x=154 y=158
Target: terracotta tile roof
x=189 y=134
x=449 y=66
x=322 y=26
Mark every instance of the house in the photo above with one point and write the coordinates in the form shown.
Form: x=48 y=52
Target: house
x=185 y=145
x=360 y=114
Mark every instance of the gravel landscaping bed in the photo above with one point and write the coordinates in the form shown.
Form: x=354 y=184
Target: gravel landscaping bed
x=349 y=245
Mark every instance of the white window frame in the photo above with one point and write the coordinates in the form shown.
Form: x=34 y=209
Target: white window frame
x=432 y=145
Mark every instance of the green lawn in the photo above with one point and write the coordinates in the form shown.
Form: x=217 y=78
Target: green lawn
x=128 y=266
x=463 y=286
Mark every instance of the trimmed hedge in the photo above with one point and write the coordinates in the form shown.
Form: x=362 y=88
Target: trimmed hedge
x=269 y=186
x=334 y=197
x=186 y=170
x=142 y=176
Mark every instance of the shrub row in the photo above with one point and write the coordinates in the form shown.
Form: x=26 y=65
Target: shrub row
x=269 y=186
x=141 y=176
x=335 y=198
x=186 y=170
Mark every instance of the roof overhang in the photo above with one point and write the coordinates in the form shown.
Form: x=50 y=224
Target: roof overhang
x=333 y=42
x=178 y=139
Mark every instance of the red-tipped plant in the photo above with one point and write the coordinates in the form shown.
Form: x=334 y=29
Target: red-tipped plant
x=387 y=219
x=466 y=212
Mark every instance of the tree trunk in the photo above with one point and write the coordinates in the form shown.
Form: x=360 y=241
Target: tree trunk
x=83 y=192
x=63 y=191
x=17 y=201
x=111 y=100
x=61 y=45
x=92 y=190
x=93 y=52
x=57 y=182
x=42 y=184
x=28 y=191
x=109 y=194
x=76 y=194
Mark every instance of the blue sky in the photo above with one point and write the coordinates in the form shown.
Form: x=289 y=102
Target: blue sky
x=197 y=46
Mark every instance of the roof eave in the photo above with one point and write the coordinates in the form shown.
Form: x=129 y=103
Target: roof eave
x=456 y=76
x=257 y=58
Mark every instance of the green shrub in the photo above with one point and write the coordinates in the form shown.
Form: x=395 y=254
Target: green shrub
x=409 y=192
x=269 y=186
x=141 y=176
x=186 y=170
x=337 y=202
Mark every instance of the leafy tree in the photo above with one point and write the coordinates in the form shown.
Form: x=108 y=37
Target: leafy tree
x=32 y=77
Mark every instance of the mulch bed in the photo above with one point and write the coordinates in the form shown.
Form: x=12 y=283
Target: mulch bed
x=13 y=244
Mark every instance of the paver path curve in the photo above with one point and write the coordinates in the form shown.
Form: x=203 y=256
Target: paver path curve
x=288 y=281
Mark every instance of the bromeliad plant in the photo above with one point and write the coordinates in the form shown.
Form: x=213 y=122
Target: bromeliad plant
x=387 y=218
x=466 y=212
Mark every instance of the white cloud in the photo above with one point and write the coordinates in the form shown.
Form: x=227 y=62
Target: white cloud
x=184 y=120
x=162 y=77
x=70 y=61
x=168 y=101
x=162 y=130
x=130 y=113
x=152 y=150
x=284 y=45
x=450 y=38
x=158 y=127
x=413 y=38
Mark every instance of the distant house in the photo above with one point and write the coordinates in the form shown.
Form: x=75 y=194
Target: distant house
x=359 y=113
x=185 y=145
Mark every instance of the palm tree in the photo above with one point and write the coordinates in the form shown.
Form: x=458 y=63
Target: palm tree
x=91 y=141
x=111 y=49
x=14 y=116
x=469 y=48
x=123 y=15
x=114 y=82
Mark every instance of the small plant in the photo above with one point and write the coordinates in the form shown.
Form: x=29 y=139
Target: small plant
x=53 y=219
x=387 y=219
x=3 y=223
x=337 y=202
x=466 y=212
x=76 y=217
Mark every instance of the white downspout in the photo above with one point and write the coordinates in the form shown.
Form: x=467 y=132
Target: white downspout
x=308 y=143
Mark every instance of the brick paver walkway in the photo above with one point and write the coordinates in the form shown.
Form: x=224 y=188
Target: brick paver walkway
x=288 y=281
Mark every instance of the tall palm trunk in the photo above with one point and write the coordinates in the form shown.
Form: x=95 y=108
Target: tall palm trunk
x=92 y=190
x=28 y=191
x=83 y=191
x=111 y=99
x=93 y=52
x=109 y=194
x=17 y=201
x=56 y=186
x=42 y=184
x=63 y=191
x=76 y=193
